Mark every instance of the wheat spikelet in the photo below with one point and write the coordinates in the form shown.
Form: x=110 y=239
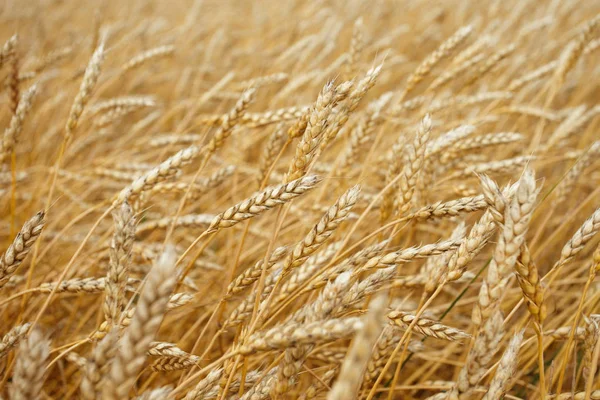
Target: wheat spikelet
x=516 y=222
x=481 y=354
x=420 y=279
x=532 y=76
x=349 y=96
x=580 y=238
x=271 y=150
x=508 y=362
x=230 y=121
x=494 y=167
x=293 y=334
x=573 y=51
x=359 y=292
x=394 y=168
x=147 y=55
x=491 y=62
x=11 y=133
x=183 y=221
x=354 y=262
x=263 y=389
x=252 y=274
x=442 y=52
x=97 y=367
x=176 y=300
x=115 y=175
x=13 y=84
x=256 y=120
x=90 y=78
x=200 y=390
x=263 y=80
x=353 y=368
x=459 y=69
x=307 y=271
x=592 y=335
x=251 y=378
x=427 y=327
x=384 y=346
x=163 y=171
x=479 y=142
x=201 y=186
x=171 y=357
x=565 y=186
x=449 y=208
x=81 y=285
x=113 y=116
x=529 y=111
x=463 y=101
x=320 y=309
x=20 y=247
x=357 y=45
x=362 y=133
x=120 y=102
x=449 y=140
x=28 y=376
x=436 y=267
x=52 y=58
x=262 y=201
x=406 y=255
x=571 y=125
x=312 y=134
x=120 y=258
x=335 y=215
x=165 y=140
x=12 y=338
x=134 y=344
x=415 y=155
x=527 y=275
x=8 y=49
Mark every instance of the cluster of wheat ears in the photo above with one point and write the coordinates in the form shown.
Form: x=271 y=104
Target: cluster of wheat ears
x=361 y=199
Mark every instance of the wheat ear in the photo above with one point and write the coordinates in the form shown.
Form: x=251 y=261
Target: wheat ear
x=30 y=368
x=262 y=201
x=20 y=247
x=347 y=384
x=96 y=368
x=507 y=365
x=12 y=338
x=118 y=267
x=148 y=316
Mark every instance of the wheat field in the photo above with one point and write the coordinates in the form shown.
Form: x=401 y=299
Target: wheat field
x=362 y=199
